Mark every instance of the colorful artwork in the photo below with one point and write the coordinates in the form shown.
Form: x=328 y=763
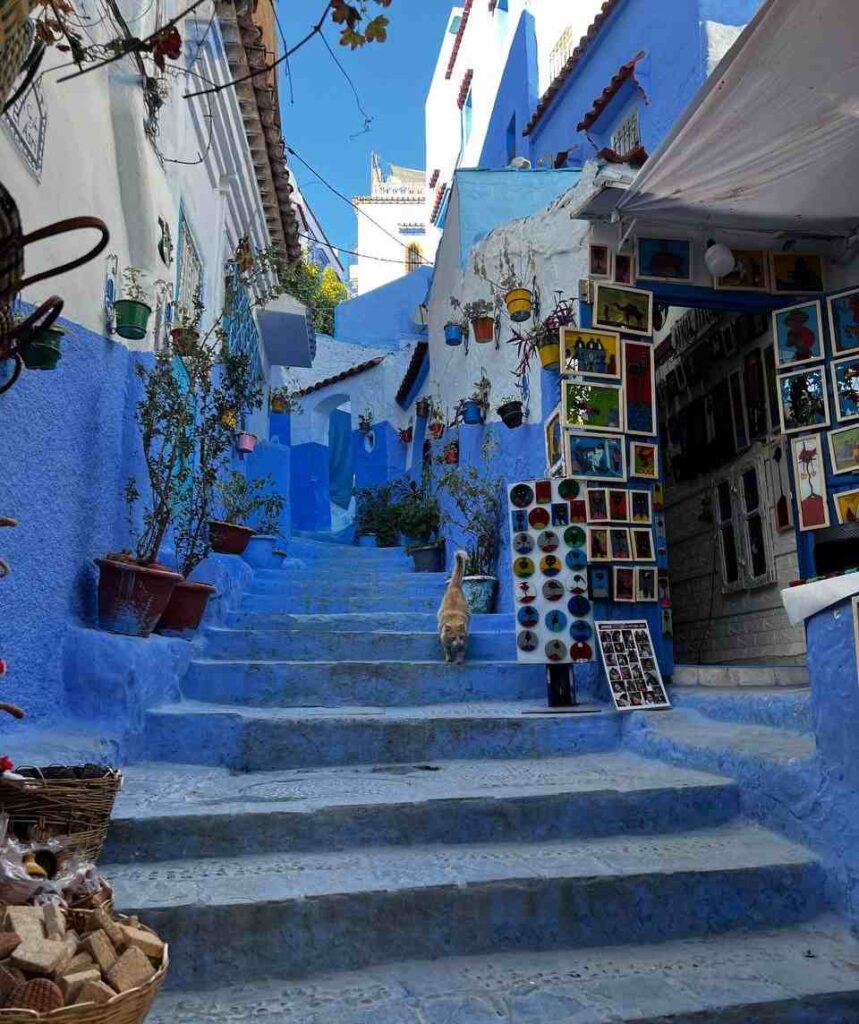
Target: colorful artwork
x=619 y=544
x=845 y=387
x=750 y=273
x=847 y=506
x=630 y=662
x=622 y=268
x=598 y=544
x=645 y=585
x=640 y=507
x=599 y=263
x=597 y=505
x=554 y=444
x=844 y=449
x=642 y=546
x=644 y=460
x=624 y=584
x=808 y=471
x=844 y=321
x=623 y=309
x=600 y=583
x=595 y=353
x=798 y=334
x=596 y=457
x=592 y=406
x=618 y=506
x=796 y=273
x=640 y=388
x=664 y=259
x=803 y=402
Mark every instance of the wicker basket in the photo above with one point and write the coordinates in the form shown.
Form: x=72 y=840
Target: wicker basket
x=74 y=802
x=127 y=1008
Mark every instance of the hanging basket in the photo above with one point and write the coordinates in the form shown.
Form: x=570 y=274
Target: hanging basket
x=550 y=354
x=44 y=350
x=453 y=333
x=484 y=329
x=519 y=303
x=245 y=443
x=511 y=414
x=472 y=412
x=278 y=405
x=60 y=800
x=132 y=318
x=422 y=408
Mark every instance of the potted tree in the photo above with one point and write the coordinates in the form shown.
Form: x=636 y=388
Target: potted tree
x=376 y=521
x=477 y=513
x=186 y=333
x=240 y=500
x=481 y=315
x=132 y=310
x=419 y=516
x=511 y=411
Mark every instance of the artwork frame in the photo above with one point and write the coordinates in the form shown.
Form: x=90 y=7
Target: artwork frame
x=842 y=370
x=598 y=550
x=593 y=406
x=553 y=437
x=618 y=505
x=646 y=587
x=620 y=544
x=643 y=460
x=790 y=421
x=843 y=442
x=786 y=336
x=639 y=383
x=846 y=505
x=843 y=312
x=644 y=516
x=785 y=266
x=812 y=504
x=599 y=262
x=623 y=271
x=751 y=265
x=609 y=340
x=643 y=549
x=638 y=314
x=623 y=579
x=630 y=664
x=596 y=457
x=597 y=501
x=654 y=257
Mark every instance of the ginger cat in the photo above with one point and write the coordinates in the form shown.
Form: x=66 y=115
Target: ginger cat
x=454 y=615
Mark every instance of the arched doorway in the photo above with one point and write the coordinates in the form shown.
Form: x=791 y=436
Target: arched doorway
x=341 y=466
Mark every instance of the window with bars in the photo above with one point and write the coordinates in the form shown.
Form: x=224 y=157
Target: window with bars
x=189 y=267
x=743 y=529
x=414 y=257
x=561 y=52
x=627 y=136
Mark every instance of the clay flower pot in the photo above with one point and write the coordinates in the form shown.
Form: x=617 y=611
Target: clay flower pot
x=132 y=598
x=228 y=538
x=278 y=405
x=132 y=318
x=484 y=329
x=436 y=429
x=245 y=443
x=453 y=333
x=406 y=435
x=518 y=302
x=186 y=606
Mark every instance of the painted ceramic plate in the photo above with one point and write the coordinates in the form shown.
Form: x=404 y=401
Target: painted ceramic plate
x=553 y=590
x=528 y=617
x=579 y=606
x=581 y=651
x=548 y=541
x=550 y=565
x=556 y=621
x=525 y=593
x=538 y=518
x=521 y=496
x=581 y=630
x=575 y=537
x=556 y=650
x=523 y=568
x=569 y=489
x=577 y=558
x=527 y=640
x=523 y=543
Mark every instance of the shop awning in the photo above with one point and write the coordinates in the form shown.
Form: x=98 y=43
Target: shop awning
x=771 y=143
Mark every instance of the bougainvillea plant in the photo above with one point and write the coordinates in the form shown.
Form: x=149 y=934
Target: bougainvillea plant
x=355 y=33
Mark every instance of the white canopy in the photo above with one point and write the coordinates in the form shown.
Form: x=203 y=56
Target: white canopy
x=771 y=143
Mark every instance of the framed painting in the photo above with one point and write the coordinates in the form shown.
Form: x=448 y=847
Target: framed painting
x=592 y=406
x=624 y=584
x=640 y=388
x=845 y=388
x=847 y=506
x=798 y=335
x=645 y=584
x=597 y=505
x=595 y=353
x=618 y=505
x=844 y=449
x=640 y=507
x=599 y=261
x=554 y=444
x=598 y=544
x=802 y=399
x=796 y=273
x=750 y=273
x=596 y=456
x=644 y=460
x=622 y=268
x=810 y=476
x=664 y=259
x=619 y=544
x=642 y=546
x=600 y=583
x=623 y=309
x=844 y=321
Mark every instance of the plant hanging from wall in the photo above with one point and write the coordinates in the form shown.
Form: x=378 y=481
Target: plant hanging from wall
x=481 y=315
x=365 y=420
x=286 y=398
x=186 y=334
x=133 y=309
x=456 y=328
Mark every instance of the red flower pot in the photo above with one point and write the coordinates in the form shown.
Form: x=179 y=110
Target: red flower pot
x=229 y=538
x=186 y=606
x=484 y=329
x=245 y=443
x=132 y=598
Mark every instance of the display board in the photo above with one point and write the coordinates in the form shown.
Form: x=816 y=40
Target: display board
x=549 y=562
x=630 y=664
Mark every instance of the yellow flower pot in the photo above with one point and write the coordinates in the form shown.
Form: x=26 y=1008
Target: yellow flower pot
x=518 y=304
x=550 y=355
x=278 y=405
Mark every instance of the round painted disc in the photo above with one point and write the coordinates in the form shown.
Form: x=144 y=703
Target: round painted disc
x=581 y=630
x=575 y=537
x=556 y=650
x=550 y=565
x=569 y=489
x=556 y=621
x=581 y=652
x=578 y=583
x=527 y=640
x=577 y=558
x=525 y=593
x=553 y=590
x=528 y=617
x=523 y=567
x=523 y=543
x=579 y=606
x=521 y=496
x=548 y=541
x=538 y=518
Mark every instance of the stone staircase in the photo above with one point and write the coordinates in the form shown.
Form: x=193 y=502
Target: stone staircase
x=337 y=828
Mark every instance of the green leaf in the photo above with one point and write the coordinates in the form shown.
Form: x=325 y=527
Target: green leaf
x=377 y=29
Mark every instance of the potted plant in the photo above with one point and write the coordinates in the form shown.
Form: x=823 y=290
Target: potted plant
x=365 y=421
x=43 y=351
x=132 y=311
x=186 y=333
x=240 y=500
x=450 y=454
x=419 y=517
x=455 y=328
x=474 y=408
x=286 y=398
x=423 y=408
x=261 y=552
x=511 y=411
x=481 y=315
x=406 y=434
x=376 y=521
x=245 y=442
x=518 y=299
x=435 y=427
x=547 y=337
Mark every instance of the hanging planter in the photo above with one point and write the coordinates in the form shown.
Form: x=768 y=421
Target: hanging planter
x=472 y=411
x=185 y=340
x=484 y=329
x=278 y=404
x=132 y=319
x=519 y=302
x=131 y=597
x=453 y=333
x=549 y=348
x=436 y=429
x=186 y=606
x=245 y=443
x=511 y=413
x=44 y=351
x=450 y=454
x=228 y=418
x=422 y=408
x=406 y=435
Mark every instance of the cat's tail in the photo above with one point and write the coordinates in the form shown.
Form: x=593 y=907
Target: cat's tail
x=459 y=560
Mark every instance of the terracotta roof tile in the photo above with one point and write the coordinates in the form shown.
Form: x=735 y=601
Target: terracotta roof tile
x=623 y=74
x=466 y=11
x=412 y=371
x=353 y=371
x=464 y=87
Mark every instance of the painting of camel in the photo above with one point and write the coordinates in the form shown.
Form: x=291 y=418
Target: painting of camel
x=629 y=310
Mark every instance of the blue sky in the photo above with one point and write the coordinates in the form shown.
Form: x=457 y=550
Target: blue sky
x=392 y=81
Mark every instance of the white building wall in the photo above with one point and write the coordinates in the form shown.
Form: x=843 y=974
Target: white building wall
x=383 y=243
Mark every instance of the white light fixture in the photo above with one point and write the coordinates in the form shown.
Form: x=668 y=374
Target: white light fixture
x=719 y=259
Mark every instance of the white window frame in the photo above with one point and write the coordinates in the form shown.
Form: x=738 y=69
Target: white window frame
x=627 y=135
x=739 y=521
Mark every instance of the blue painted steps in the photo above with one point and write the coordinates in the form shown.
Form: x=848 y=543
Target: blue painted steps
x=388 y=620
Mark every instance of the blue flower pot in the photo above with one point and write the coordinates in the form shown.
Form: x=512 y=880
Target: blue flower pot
x=260 y=552
x=472 y=412
x=480 y=593
x=453 y=334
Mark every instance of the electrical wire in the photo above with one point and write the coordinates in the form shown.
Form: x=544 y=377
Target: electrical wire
x=287 y=69
x=351 y=252
x=368 y=120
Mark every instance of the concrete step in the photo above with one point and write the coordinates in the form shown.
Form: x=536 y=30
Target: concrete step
x=265 y=739
x=392 y=587
x=310 y=574
x=788 y=709
x=805 y=974
x=295 y=914
x=312 y=551
x=338 y=602
x=745 y=676
x=360 y=683
x=168 y=811
x=364 y=645
x=360 y=621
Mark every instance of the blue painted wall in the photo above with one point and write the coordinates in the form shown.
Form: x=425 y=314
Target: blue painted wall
x=309 y=494
x=517 y=96
x=382 y=318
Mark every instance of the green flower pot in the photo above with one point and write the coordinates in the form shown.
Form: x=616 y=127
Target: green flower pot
x=132 y=318
x=43 y=352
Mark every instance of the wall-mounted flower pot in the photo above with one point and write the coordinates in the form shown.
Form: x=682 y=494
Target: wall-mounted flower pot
x=550 y=354
x=278 y=405
x=44 y=351
x=453 y=334
x=185 y=340
x=186 y=606
x=472 y=412
x=365 y=427
x=519 y=304
x=228 y=538
x=484 y=329
x=428 y=557
x=229 y=419
x=436 y=429
x=132 y=598
x=422 y=408
x=260 y=553
x=245 y=443
x=511 y=414
x=450 y=454
x=480 y=593
x=132 y=318
x=406 y=435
